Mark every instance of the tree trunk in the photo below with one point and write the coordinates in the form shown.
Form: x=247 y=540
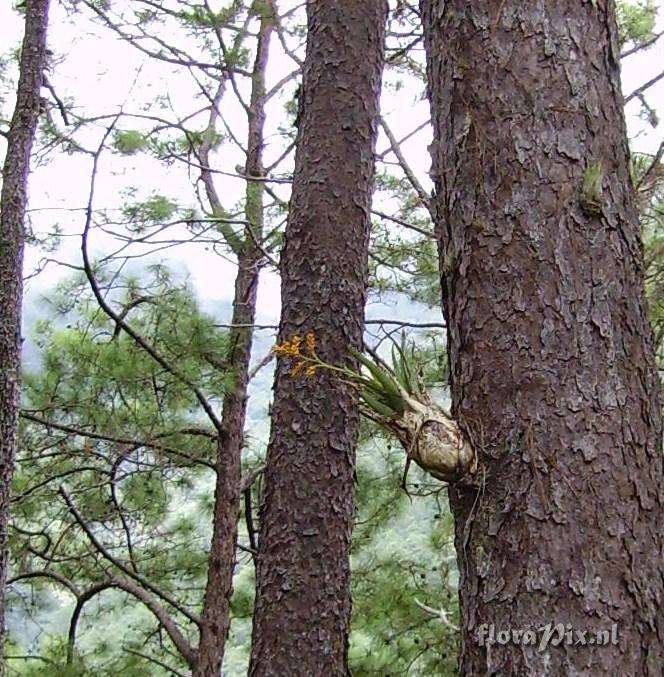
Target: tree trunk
x=302 y=612
x=215 y=617
x=13 y=200
x=552 y=366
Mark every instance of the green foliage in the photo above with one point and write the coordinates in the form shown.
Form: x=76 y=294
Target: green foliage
x=202 y=16
x=193 y=139
x=129 y=141
x=402 y=549
x=405 y=365
x=127 y=440
x=146 y=494
x=636 y=20
x=385 y=388
x=406 y=265
x=403 y=258
x=90 y=355
x=154 y=209
x=648 y=181
x=51 y=663
x=380 y=391
x=242 y=604
x=402 y=556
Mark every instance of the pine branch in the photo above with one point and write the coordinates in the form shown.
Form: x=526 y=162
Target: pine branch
x=104 y=552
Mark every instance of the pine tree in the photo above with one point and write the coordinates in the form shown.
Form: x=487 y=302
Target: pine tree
x=551 y=356
x=302 y=613
x=13 y=201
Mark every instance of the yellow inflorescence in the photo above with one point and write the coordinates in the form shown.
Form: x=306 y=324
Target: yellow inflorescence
x=310 y=342
x=306 y=363
x=289 y=348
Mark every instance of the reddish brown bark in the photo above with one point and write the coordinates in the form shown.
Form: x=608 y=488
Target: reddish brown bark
x=302 y=612
x=552 y=367
x=13 y=200
x=215 y=618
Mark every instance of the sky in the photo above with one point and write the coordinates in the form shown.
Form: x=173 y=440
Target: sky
x=98 y=70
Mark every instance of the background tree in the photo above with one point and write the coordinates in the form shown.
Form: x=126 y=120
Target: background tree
x=145 y=222
x=551 y=357
x=251 y=257
x=308 y=508
x=13 y=201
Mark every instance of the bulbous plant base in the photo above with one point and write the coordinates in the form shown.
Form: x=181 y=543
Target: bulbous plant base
x=433 y=440
x=443 y=454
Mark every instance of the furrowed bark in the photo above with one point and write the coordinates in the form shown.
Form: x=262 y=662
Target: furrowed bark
x=552 y=365
x=215 y=617
x=13 y=200
x=302 y=611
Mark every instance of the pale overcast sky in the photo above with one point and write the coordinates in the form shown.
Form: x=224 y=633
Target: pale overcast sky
x=98 y=70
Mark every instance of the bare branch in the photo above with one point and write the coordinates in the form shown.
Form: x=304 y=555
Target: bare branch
x=120 y=512
x=441 y=614
x=262 y=363
x=58 y=101
x=51 y=575
x=419 y=128
x=233 y=240
x=642 y=45
x=152 y=659
x=134 y=40
x=405 y=224
x=414 y=325
x=147 y=444
x=76 y=614
x=644 y=87
x=410 y=175
x=653 y=166
x=225 y=53
x=120 y=565
x=282 y=39
x=164 y=618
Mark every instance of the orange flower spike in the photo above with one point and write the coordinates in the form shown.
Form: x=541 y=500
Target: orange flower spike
x=288 y=348
x=282 y=349
x=295 y=371
x=311 y=370
x=311 y=343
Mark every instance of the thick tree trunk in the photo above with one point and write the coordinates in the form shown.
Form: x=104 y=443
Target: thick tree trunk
x=552 y=367
x=302 y=612
x=215 y=617
x=13 y=200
